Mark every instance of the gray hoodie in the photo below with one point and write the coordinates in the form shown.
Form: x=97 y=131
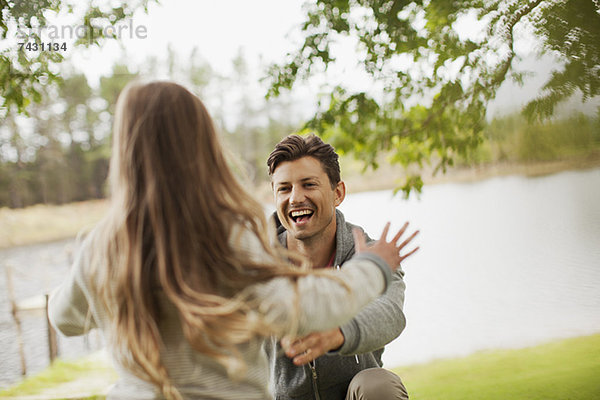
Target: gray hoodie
x=365 y=336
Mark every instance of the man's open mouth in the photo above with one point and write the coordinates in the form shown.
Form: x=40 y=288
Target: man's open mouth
x=300 y=215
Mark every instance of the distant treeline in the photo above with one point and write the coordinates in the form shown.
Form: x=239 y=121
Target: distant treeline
x=60 y=173
x=56 y=175
x=512 y=139
x=59 y=152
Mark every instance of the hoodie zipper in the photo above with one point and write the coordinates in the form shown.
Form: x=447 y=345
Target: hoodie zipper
x=313 y=371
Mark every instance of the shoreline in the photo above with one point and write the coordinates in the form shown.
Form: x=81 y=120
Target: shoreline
x=41 y=223
x=388 y=177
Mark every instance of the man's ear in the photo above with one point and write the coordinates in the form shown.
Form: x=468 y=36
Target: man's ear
x=339 y=193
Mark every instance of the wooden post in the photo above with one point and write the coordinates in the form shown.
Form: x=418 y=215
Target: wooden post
x=15 y=315
x=52 y=341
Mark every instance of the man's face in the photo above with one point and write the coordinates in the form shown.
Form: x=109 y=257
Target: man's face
x=304 y=198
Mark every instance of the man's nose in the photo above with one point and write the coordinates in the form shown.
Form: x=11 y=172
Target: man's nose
x=297 y=195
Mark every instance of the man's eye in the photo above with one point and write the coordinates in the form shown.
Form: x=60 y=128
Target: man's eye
x=283 y=189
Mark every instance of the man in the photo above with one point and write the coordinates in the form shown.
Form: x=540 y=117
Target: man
x=344 y=363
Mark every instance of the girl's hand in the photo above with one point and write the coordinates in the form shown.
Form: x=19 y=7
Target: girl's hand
x=388 y=251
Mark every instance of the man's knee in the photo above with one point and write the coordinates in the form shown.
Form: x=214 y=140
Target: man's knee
x=376 y=384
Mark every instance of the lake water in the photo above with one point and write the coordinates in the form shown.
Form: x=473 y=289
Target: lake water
x=35 y=270
x=504 y=263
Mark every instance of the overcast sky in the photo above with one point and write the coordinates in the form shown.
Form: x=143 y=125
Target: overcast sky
x=219 y=29
x=265 y=30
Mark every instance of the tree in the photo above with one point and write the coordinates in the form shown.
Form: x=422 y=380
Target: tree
x=60 y=155
x=436 y=77
x=25 y=71
x=254 y=125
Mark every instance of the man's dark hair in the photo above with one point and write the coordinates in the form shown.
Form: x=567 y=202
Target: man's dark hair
x=294 y=147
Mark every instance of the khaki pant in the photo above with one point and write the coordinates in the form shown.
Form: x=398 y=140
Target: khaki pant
x=376 y=384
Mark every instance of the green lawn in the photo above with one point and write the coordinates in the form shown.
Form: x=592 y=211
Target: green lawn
x=86 y=378
x=562 y=370
x=565 y=370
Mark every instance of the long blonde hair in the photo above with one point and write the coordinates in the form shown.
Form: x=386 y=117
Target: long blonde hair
x=174 y=201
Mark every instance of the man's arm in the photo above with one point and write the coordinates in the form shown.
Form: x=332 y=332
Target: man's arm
x=375 y=326
x=382 y=320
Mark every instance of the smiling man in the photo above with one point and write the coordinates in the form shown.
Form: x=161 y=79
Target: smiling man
x=344 y=363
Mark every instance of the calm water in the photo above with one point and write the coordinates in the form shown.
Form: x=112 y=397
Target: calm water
x=507 y=262
x=504 y=263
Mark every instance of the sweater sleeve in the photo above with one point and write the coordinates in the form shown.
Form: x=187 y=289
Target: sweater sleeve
x=68 y=308
x=382 y=320
x=378 y=323
x=323 y=301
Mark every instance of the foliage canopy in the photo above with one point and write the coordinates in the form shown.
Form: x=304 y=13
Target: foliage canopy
x=436 y=72
x=24 y=73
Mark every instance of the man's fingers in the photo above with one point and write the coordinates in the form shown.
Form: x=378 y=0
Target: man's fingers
x=312 y=352
x=298 y=346
x=304 y=358
x=287 y=342
x=313 y=346
x=304 y=351
x=295 y=349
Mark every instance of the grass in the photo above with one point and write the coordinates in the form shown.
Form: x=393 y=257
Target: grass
x=561 y=370
x=567 y=369
x=43 y=222
x=86 y=378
